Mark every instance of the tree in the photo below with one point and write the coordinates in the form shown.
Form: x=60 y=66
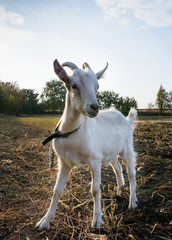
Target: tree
x=162 y=99
x=11 y=98
x=107 y=99
x=53 y=96
x=14 y=100
x=127 y=104
x=169 y=100
x=30 y=101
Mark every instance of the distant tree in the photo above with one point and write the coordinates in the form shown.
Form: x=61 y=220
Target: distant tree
x=11 y=98
x=108 y=99
x=162 y=99
x=169 y=100
x=53 y=96
x=30 y=101
x=127 y=103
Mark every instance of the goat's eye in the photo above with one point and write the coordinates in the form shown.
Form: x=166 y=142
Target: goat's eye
x=74 y=86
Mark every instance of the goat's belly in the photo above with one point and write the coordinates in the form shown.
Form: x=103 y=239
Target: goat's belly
x=73 y=159
x=78 y=158
x=107 y=159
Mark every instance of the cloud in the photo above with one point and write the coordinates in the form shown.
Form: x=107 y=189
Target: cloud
x=11 y=33
x=155 y=13
x=8 y=16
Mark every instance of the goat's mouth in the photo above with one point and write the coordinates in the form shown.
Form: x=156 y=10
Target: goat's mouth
x=91 y=113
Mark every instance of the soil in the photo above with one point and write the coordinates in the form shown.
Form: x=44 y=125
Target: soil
x=27 y=184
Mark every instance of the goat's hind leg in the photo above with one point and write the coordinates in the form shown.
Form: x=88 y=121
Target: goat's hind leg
x=130 y=159
x=63 y=174
x=117 y=168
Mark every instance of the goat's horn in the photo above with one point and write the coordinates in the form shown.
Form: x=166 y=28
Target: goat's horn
x=99 y=74
x=70 y=65
x=85 y=65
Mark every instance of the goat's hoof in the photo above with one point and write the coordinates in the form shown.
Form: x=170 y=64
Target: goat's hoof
x=120 y=190
x=132 y=205
x=43 y=224
x=97 y=223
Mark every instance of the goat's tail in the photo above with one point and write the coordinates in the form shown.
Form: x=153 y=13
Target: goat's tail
x=132 y=115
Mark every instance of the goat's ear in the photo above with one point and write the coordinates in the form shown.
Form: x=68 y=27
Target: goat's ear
x=100 y=74
x=61 y=73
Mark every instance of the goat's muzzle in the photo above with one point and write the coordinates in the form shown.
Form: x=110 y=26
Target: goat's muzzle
x=92 y=110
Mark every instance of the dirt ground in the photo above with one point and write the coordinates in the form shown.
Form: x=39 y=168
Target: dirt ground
x=26 y=185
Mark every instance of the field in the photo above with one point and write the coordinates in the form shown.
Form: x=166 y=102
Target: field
x=27 y=184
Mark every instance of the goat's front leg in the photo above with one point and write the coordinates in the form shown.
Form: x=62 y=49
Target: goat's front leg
x=96 y=193
x=63 y=174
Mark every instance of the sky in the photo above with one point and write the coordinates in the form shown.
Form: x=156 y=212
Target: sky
x=133 y=36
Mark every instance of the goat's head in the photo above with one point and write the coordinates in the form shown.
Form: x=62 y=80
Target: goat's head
x=82 y=86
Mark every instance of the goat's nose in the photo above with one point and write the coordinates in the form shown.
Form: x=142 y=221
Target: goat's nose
x=94 y=106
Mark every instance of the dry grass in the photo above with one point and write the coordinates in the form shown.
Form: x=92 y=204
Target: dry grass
x=27 y=184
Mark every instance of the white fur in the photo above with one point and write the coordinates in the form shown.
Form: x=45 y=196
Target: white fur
x=99 y=141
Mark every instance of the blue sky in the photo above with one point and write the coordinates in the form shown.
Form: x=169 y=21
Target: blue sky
x=133 y=36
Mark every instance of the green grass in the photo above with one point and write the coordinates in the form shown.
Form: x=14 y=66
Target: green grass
x=19 y=127
x=41 y=122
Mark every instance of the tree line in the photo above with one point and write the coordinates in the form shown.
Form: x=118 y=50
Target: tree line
x=14 y=100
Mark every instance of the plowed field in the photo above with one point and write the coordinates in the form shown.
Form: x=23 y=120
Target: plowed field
x=26 y=185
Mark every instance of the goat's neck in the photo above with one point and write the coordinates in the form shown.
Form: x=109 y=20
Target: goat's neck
x=71 y=119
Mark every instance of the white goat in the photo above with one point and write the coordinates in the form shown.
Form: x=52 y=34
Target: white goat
x=97 y=139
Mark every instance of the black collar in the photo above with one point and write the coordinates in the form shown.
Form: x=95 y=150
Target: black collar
x=58 y=134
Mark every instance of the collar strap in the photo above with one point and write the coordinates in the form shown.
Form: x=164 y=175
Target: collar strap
x=58 y=134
